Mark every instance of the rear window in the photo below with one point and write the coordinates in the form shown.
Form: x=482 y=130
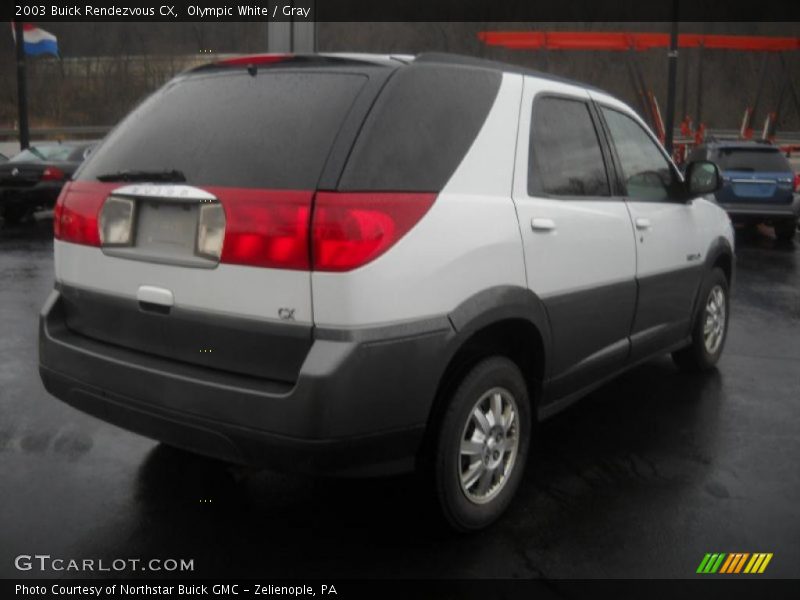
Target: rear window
x=736 y=159
x=273 y=130
x=57 y=152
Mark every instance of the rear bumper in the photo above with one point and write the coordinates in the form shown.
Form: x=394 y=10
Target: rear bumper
x=359 y=406
x=767 y=211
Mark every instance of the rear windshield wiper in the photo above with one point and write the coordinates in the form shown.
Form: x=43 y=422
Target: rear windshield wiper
x=169 y=176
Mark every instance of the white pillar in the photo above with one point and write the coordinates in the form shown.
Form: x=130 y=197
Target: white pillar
x=297 y=37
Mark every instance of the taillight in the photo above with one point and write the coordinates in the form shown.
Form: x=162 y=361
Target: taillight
x=797 y=182
x=210 y=230
x=116 y=221
x=75 y=216
x=265 y=228
x=260 y=228
x=350 y=229
x=53 y=174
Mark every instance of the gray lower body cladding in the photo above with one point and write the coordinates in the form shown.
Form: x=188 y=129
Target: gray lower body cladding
x=359 y=404
x=263 y=349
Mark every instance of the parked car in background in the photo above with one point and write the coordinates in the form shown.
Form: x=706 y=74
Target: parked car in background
x=759 y=185
x=32 y=179
x=794 y=162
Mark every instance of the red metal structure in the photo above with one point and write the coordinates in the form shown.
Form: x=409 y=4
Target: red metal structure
x=637 y=42
x=597 y=40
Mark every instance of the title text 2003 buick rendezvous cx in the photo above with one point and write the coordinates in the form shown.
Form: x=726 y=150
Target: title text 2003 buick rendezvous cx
x=356 y=264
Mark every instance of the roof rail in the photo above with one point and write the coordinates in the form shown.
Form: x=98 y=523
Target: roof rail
x=484 y=63
x=255 y=61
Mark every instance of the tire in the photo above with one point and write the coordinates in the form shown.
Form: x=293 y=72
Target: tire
x=784 y=230
x=499 y=462
x=704 y=351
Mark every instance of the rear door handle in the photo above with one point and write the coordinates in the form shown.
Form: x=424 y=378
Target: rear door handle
x=540 y=224
x=643 y=224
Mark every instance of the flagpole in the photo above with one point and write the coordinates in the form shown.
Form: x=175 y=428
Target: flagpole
x=22 y=88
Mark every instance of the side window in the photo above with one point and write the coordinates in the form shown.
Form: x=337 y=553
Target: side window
x=564 y=154
x=696 y=154
x=646 y=172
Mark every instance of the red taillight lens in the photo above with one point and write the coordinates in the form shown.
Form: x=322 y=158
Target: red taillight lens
x=75 y=215
x=265 y=228
x=53 y=174
x=797 y=182
x=270 y=228
x=351 y=229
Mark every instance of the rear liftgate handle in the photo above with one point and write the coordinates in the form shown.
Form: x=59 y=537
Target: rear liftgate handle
x=155 y=299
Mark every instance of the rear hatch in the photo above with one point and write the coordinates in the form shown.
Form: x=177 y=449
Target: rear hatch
x=202 y=253
x=755 y=175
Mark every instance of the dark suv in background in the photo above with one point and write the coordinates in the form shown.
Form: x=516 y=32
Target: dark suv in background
x=759 y=185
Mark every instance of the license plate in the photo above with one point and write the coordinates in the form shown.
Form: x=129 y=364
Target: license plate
x=754 y=190
x=167 y=229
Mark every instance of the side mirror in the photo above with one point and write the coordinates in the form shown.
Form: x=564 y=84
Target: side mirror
x=702 y=177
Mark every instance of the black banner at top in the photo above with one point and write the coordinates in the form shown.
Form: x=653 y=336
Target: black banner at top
x=403 y=10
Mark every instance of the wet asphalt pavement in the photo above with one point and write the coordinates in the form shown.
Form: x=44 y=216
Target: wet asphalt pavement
x=640 y=479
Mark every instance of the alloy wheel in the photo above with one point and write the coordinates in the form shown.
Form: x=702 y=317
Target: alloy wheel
x=489 y=445
x=714 y=321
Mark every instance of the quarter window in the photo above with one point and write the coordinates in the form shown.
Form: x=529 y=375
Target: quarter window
x=564 y=154
x=646 y=171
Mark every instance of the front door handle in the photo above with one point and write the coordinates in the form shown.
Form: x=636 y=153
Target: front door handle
x=540 y=224
x=643 y=224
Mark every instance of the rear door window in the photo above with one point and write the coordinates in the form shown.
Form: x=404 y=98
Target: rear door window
x=420 y=129
x=565 y=155
x=736 y=159
x=696 y=154
x=273 y=130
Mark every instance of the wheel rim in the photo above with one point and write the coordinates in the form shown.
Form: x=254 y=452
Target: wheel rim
x=714 y=319
x=489 y=446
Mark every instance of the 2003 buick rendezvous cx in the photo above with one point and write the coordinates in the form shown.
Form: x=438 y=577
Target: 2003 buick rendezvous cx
x=352 y=264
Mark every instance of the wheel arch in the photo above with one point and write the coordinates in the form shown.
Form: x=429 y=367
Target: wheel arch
x=719 y=255
x=506 y=321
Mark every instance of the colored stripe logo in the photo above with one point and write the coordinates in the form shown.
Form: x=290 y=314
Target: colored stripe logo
x=734 y=563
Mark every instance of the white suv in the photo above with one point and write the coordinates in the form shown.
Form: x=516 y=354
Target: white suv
x=353 y=264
